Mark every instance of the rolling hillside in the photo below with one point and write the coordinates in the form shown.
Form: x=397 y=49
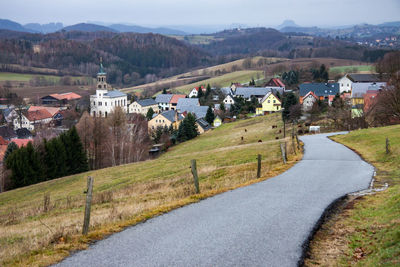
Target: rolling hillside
x=128 y=194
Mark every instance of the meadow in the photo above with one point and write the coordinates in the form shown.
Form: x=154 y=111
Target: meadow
x=36 y=232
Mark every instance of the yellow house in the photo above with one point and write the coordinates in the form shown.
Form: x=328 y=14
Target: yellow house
x=217 y=121
x=270 y=103
x=167 y=118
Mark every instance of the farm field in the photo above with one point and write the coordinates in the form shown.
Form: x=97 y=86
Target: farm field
x=128 y=194
x=366 y=230
x=21 y=77
x=353 y=69
x=204 y=74
x=242 y=76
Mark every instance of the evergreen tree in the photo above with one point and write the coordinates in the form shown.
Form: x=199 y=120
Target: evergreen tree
x=210 y=115
x=10 y=148
x=200 y=93
x=187 y=129
x=289 y=100
x=149 y=114
x=222 y=107
x=164 y=91
x=78 y=158
x=36 y=165
x=208 y=90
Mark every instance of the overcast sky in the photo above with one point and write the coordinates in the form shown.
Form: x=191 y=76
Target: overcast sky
x=203 y=12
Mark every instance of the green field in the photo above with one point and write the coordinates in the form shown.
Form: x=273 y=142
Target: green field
x=242 y=76
x=131 y=193
x=20 y=77
x=353 y=68
x=369 y=233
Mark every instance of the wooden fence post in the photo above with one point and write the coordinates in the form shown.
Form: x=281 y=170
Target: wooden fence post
x=293 y=145
x=283 y=153
x=195 y=177
x=259 y=166
x=298 y=143
x=89 y=192
x=387 y=146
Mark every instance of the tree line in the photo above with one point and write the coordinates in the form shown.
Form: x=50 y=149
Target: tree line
x=58 y=157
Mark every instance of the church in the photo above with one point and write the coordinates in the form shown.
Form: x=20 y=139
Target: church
x=104 y=101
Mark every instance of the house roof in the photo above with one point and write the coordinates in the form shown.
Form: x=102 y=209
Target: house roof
x=114 y=94
x=359 y=89
x=359 y=77
x=21 y=142
x=175 y=98
x=319 y=89
x=248 y=92
x=203 y=124
x=53 y=111
x=183 y=102
x=3 y=142
x=310 y=93
x=170 y=115
x=7 y=132
x=276 y=82
x=37 y=115
x=146 y=102
x=198 y=111
x=163 y=98
x=226 y=90
x=65 y=96
x=267 y=95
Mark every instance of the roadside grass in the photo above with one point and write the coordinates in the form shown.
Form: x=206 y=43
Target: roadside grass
x=128 y=194
x=241 y=76
x=367 y=231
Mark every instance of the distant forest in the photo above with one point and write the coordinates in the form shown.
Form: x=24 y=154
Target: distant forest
x=131 y=58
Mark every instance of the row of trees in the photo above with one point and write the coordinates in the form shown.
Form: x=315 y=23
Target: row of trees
x=60 y=156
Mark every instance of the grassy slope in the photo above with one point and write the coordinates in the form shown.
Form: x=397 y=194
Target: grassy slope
x=128 y=194
x=369 y=233
x=241 y=76
x=19 y=77
x=353 y=68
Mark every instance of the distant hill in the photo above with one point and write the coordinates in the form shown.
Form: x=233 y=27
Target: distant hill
x=140 y=29
x=287 y=23
x=10 y=25
x=390 y=24
x=44 y=28
x=244 y=41
x=86 y=27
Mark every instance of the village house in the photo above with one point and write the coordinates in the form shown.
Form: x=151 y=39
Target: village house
x=202 y=126
x=275 y=82
x=163 y=101
x=228 y=100
x=217 y=121
x=324 y=91
x=270 y=103
x=234 y=86
x=142 y=106
x=174 y=101
x=104 y=101
x=167 y=118
x=258 y=92
x=195 y=91
x=32 y=119
x=8 y=133
x=357 y=96
x=60 y=99
x=198 y=111
x=186 y=102
x=308 y=100
x=347 y=81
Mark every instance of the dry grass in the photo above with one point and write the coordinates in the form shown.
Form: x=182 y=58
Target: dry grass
x=366 y=230
x=41 y=224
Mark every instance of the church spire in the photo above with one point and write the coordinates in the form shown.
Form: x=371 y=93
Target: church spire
x=101 y=71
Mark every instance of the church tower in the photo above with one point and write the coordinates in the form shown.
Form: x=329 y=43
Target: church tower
x=101 y=77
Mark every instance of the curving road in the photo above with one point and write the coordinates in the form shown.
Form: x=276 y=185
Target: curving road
x=264 y=224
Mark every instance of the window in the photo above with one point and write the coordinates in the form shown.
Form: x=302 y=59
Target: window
x=269 y=101
x=105 y=103
x=100 y=103
x=106 y=113
x=94 y=103
x=274 y=101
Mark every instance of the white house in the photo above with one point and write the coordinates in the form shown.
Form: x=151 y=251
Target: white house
x=195 y=91
x=104 y=101
x=163 y=101
x=346 y=82
x=31 y=119
x=228 y=100
x=142 y=106
x=308 y=101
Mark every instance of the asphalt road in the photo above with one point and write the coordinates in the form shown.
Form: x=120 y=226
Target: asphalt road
x=264 y=224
